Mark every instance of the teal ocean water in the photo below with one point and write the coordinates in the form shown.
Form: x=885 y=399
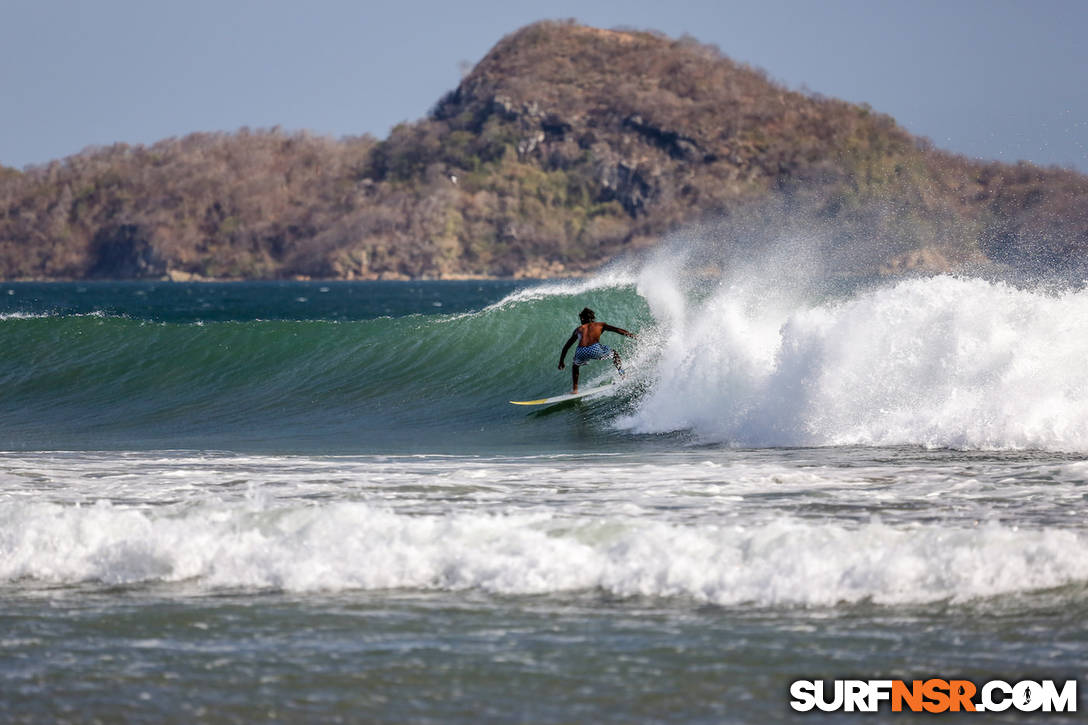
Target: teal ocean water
x=312 y=502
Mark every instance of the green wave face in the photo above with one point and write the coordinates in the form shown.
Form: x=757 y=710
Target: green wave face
x=750 y=359
x=428 y=383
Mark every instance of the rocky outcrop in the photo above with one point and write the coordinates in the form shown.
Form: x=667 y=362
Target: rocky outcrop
x=675 y=144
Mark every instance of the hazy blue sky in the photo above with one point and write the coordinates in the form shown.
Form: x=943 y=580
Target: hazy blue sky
x=988 y=78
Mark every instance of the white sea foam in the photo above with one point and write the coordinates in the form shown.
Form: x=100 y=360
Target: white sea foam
x=677 y=488
x=352 y=546
x=24 y=316
x=941 y=361
x=617 y=275
x=51 y=315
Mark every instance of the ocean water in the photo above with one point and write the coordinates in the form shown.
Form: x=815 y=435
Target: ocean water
x=311 y=502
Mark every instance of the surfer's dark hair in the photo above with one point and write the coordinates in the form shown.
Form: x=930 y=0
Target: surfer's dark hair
x=587 y=315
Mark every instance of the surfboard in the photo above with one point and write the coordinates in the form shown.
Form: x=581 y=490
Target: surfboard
x=568 y=396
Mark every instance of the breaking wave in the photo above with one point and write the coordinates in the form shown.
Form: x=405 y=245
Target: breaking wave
x=356 y=546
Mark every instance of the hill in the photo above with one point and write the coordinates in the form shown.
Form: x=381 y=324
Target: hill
x=564 y=147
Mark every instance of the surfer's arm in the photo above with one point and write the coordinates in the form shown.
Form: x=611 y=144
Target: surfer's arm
x=563 y=355
x=620 y=330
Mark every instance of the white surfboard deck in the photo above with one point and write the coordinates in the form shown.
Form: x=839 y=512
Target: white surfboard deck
x=568 y=396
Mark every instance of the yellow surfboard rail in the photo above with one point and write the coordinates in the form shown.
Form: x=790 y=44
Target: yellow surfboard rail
x=567 y=396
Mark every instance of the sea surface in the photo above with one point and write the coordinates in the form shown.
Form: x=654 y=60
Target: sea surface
x=311 y=502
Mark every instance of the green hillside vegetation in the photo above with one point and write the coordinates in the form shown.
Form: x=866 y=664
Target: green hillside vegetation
x=565 y=147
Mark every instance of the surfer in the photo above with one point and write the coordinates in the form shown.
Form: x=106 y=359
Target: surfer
x=588 y=336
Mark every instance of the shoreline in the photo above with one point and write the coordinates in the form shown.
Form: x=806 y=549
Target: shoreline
x=197 y=279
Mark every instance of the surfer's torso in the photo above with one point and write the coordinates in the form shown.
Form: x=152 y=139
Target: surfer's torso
x=589 y=333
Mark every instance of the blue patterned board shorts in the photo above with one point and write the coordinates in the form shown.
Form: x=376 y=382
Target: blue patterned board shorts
x=596 y=351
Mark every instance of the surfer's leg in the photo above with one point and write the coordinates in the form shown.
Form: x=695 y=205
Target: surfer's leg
x=574 y=378
x=618 y=363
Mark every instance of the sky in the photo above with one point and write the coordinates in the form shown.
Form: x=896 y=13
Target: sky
x=991 y=79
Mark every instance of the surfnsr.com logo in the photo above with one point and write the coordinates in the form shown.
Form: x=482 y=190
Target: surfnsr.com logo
x=933 y=695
